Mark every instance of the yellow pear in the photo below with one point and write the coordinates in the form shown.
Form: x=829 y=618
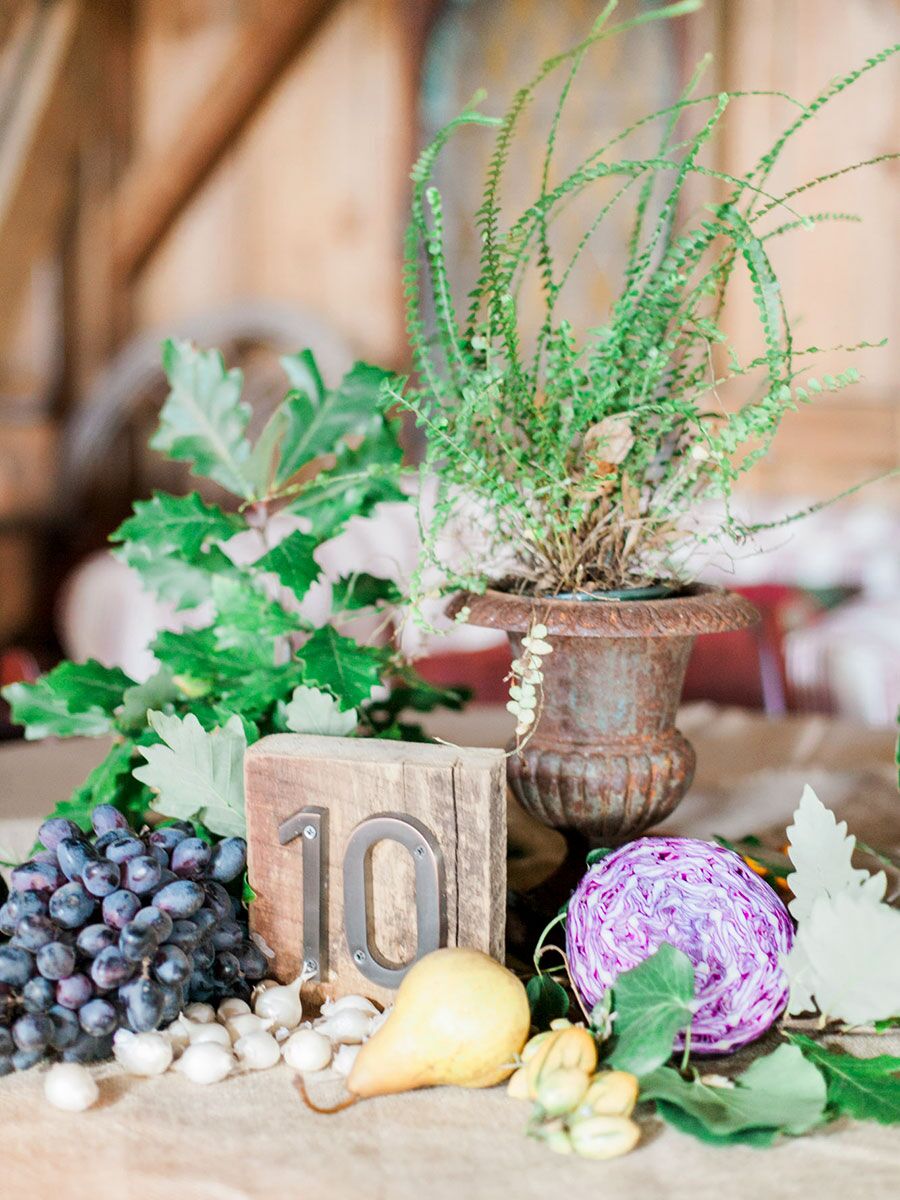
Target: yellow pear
x=459 y=1018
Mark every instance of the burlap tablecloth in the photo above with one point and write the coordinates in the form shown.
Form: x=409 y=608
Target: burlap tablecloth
x=250 y=1136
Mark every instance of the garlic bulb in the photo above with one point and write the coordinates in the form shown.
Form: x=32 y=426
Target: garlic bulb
x=233 y=1007
x=350 y=1026
x=344 y=1059
x=199 y=1033
x=246 y=1023
x=71 y=1087
x=258 y=1051
x=202 y=1013
x=345 y=1002
x=142 y=1053
x=177 y=1035
x=205 y=1062
x=281 y=1004
x=307 y=1050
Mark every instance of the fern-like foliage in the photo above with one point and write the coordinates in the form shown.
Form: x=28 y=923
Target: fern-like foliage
x=584 y=461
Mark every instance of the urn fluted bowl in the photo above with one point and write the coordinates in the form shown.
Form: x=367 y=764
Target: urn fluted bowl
x=606 y=759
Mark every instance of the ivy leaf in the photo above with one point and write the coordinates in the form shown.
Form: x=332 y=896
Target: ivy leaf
x=362 y=590
x=246 y=614
x=821 y=849
x=197 y=774
x=181 y=525
x=292 y=561
x=317 y=421
x=341 y=666
x=653 y=1001
x=72 y=700
x=781 y=1092
x=865 y=1088
x=360 y=479
x=203 y=420
x=311 y=710
x=548 y=1000
x=158 y=691
x=846 y=956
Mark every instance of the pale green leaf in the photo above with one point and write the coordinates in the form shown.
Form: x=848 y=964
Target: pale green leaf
x=183 y=583
x=203 y=420
x=311 y=710
x=653 y=1002
x=72 y=700
x=157 y=692
x=197 y=775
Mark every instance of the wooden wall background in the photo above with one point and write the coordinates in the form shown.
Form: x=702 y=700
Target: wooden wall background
x=164 y=159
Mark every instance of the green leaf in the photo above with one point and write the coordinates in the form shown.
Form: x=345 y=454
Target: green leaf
x=245 y=614
x=194 y=656
x=548 y=999
x=362 y=590
x=158 y=691
x=72 y=700
x=203 y=420
x=247 y=893
x=865 y=1088
x=257 y=691
x=341 y=666
x=182 y=583
x=182 y=525
x=781 y=1092
x=292 y=561
x=313 y=711
x=597 y=855
x=317 y=422
x=197 y=774
x=653 y=1001
x=886 y=1025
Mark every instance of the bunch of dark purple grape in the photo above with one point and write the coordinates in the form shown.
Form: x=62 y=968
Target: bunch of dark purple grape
x=119 y=930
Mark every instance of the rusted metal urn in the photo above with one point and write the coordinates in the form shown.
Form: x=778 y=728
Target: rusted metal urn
x=606 y=759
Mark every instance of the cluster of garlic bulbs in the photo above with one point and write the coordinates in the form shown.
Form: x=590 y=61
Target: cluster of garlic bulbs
x=526 y=676
x=206 y=1044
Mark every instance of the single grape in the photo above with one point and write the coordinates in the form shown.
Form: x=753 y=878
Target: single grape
x=24 y=1060
x=136 y=943
x=54 y=829
x=124 y=849
x=36 y=877
x=87 y=1049
x=203 y=987
x=71 y=906
x=205 y=920
x=66 y=1028
x=142 y=874
x=218 y=900
x=26 y=904
x=98 y=1018
x=34 y=932
x=226 y=968
x=105 y=818
x=159 y=853
x=32 y=1031
x=203 y=955
x=172 y=966
x=94 y=938
x=74 y=990
x=168 y=837
x=74 y=855
x=16 y=966
x=227 y=935
x=8 y=921
x=173 y=1003
x=253 y=962
x=38 y=995
x=229 y=858
x=111 y=968
x=56 y=960
x=154 y=918
x=180 y=899
x=190 y=858
x=6 y=1042
x=144 y=1001
x=119 y=908
x=184 y=934
x=101 y=878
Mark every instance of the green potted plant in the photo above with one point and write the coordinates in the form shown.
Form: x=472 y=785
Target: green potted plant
x=582 y=463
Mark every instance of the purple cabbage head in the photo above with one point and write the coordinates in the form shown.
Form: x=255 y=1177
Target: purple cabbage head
x=702 y=899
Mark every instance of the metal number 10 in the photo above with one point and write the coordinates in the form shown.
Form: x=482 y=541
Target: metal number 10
x=311 y=824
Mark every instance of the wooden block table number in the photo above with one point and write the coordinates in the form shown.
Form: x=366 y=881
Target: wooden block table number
x=364 y=855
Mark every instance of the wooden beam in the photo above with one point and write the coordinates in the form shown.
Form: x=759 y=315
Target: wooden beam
x=159 y=186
